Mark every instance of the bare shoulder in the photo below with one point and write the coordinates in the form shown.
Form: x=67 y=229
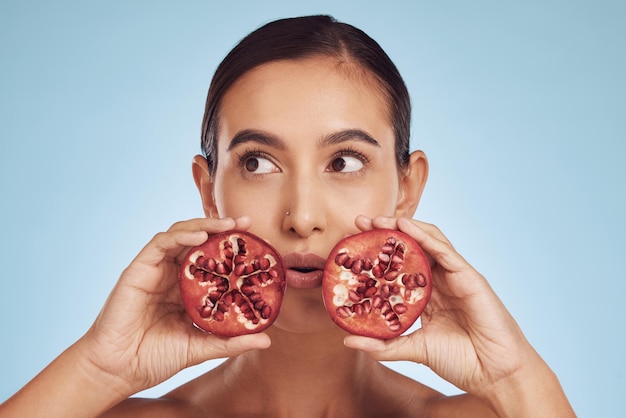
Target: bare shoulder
x=462 y=406
x=414 y=399
x=192 y=399
x=140 y=407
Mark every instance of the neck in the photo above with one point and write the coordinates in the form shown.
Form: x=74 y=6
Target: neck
x=301 y=372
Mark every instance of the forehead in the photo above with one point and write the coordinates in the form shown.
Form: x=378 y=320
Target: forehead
x=318 y=93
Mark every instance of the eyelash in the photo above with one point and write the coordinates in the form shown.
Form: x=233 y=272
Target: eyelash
x=251 y=153
x=351 y=152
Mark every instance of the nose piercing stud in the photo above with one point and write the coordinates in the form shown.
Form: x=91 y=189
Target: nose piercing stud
x=287 y=213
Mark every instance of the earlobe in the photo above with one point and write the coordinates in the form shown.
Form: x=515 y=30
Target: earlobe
x=412 y=183
x=204 y=183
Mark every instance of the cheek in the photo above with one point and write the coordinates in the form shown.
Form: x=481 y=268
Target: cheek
x=234 y=198
x=377 y=195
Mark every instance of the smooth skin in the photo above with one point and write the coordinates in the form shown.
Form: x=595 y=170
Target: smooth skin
x=312 y=137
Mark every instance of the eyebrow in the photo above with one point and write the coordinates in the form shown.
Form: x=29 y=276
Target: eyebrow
x=348 y=135
x=250 y=135
x=259 y=137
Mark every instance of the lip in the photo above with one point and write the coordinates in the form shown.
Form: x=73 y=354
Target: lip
x=296 y=262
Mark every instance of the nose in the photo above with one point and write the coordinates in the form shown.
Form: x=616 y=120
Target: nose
x=304 y=207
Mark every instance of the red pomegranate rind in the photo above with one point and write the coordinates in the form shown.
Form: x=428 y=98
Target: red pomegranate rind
x=233 y=284
x=376 y=283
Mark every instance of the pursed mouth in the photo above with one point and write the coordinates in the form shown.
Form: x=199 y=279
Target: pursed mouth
x=304 y=262
x=304 y=279
x=304 y=270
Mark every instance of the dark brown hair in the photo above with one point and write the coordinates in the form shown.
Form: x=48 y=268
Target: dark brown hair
x=303 y=37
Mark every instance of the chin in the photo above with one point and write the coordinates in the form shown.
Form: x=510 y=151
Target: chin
x=303 y=312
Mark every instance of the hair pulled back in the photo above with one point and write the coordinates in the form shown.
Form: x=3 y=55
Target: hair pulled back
x=303 y=37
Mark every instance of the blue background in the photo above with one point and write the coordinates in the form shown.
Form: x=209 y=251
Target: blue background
x=519 y=106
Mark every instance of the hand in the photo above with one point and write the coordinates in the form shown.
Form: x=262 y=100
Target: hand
x=143 y=334
x=467 y=335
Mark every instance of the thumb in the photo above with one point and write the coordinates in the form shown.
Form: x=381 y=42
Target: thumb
x=205 y=347
x=405 y=347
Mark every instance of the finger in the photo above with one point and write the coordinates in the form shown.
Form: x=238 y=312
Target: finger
x=205 y=347
x=149 y=267
x=405 y=347
x=384 y=222
x=440 y=249
x=363 y=223
x=431 y=229
x=204 y=224
x=179 y=236
x=381 y=222
x=169 y=245
x=243 y=223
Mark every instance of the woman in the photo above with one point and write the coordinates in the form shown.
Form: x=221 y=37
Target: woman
x=306 y=141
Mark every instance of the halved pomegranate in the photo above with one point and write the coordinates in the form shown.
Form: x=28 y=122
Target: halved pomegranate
x=233 y=284
x=376 y=283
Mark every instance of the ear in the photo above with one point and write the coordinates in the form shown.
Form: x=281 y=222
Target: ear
x=204 y=183
x=412 y=183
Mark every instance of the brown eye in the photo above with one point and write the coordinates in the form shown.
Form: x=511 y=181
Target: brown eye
x=338 y=164
x=346 y=164
x=252 y=164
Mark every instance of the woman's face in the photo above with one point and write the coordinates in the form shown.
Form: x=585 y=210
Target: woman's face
x=303 y=148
